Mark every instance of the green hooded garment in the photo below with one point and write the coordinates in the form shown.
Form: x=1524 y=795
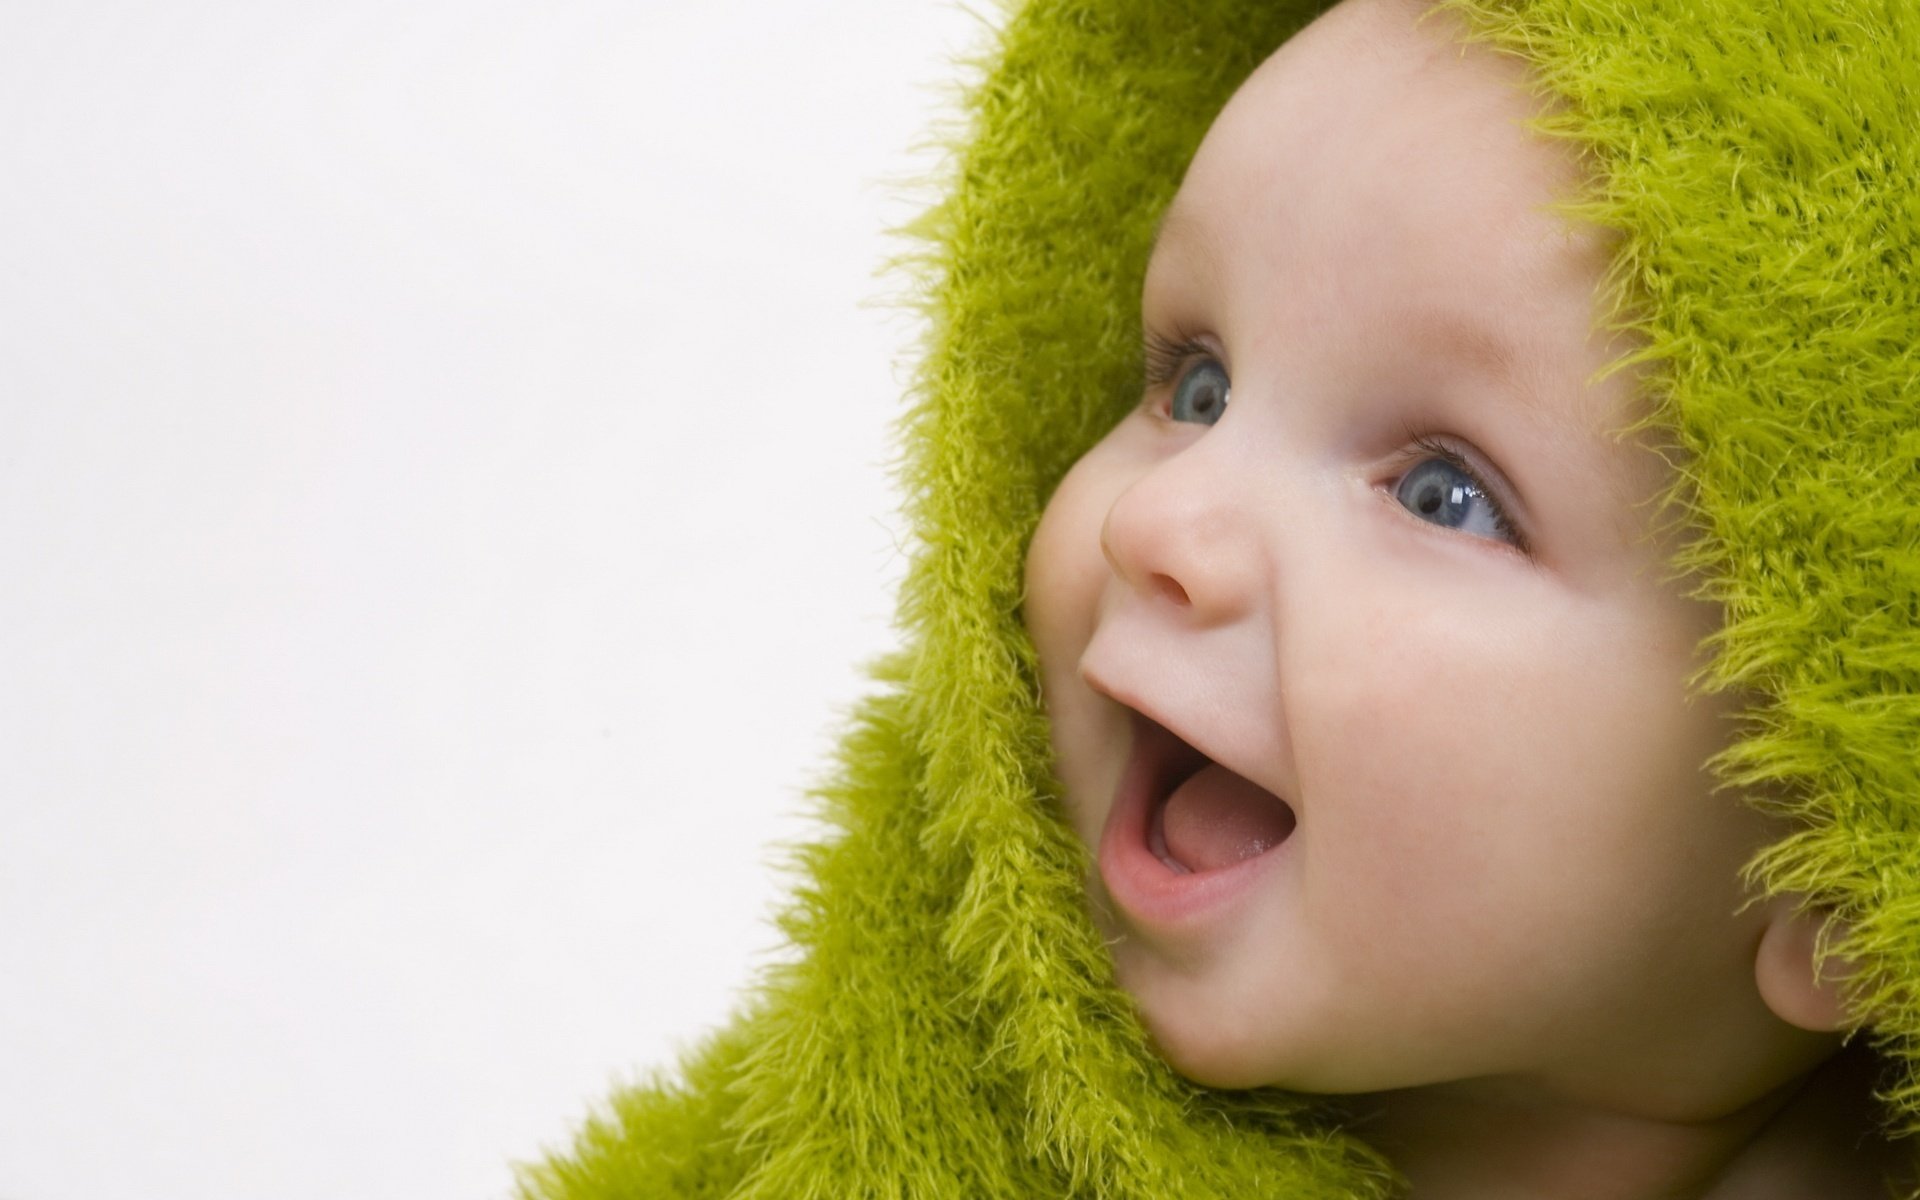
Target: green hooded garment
x=949 y=1024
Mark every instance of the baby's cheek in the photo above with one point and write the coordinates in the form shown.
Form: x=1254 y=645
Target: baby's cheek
x=1458 y=775
x=1065 y=568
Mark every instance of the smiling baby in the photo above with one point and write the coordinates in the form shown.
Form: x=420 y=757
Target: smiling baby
x=1367 y=678
x=1440 y=722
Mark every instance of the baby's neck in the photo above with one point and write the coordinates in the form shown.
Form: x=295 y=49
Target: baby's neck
x=1813 y=1137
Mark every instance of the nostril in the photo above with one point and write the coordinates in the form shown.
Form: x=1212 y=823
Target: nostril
x=1170 y=587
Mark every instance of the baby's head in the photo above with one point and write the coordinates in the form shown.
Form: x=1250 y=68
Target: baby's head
x=1380 y=549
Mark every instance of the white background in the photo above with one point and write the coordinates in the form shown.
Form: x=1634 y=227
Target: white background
x=444 y=507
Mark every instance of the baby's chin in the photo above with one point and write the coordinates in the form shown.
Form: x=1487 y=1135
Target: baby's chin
x=1172 y=1021
x=1230 y=1064
x=1210 y=1069
x=1204 y=1037
x=1210 y=1048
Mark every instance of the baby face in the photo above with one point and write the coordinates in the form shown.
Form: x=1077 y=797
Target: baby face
x=1432 y=804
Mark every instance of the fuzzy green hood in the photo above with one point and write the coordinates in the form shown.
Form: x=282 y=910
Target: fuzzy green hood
x=949 y=1025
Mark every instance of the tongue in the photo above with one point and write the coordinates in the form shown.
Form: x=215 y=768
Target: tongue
x=1217 y=818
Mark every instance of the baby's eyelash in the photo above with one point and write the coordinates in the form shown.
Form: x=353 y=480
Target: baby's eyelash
x=1162 y=357
x=1503 y=522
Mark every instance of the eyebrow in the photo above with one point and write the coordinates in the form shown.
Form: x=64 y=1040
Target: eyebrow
x=1447 y=331
x=1184 y=227
x=1444 y=330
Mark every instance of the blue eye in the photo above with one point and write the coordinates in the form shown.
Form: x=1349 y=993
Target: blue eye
x=1441 y=490
x=1201 y=393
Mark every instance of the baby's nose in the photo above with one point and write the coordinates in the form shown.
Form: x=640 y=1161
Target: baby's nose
x=1182 y=535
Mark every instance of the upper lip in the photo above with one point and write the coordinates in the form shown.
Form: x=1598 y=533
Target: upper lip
x=1126 y=699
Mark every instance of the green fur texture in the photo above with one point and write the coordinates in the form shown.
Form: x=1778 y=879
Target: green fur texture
x=949 y=1025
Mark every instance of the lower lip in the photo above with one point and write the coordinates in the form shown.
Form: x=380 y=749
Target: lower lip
x=1149 y=891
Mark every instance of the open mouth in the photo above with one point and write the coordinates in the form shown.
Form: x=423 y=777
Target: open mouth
x=1202 y=815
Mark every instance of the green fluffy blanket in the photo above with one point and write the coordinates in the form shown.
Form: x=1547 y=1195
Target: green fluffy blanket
x=949 y=1025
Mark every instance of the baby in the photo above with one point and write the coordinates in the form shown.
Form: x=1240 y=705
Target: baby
x=1367 y=678
x=1479 y=673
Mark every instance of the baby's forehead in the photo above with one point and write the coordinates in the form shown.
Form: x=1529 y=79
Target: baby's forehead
x=1505 y=297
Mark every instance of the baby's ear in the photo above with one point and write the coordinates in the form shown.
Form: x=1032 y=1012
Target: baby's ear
x=1783 y=967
